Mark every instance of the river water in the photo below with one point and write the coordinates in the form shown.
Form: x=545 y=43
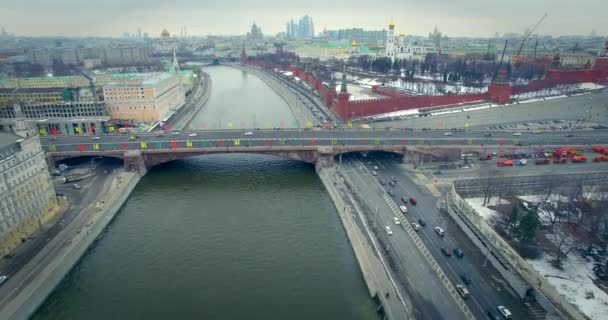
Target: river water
x=221 y=237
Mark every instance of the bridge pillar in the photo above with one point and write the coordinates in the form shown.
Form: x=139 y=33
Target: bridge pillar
x=50 y=161
x=325 y=158
x=134 y=161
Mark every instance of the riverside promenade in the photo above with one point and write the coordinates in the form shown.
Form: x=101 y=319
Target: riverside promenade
x=27 y=289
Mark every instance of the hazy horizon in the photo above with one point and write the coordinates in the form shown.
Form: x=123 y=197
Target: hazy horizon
x=234 y=17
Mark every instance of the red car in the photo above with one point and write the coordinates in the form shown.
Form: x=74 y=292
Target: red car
x=413 y=201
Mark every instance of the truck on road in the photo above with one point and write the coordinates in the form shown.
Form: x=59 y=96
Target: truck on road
x=542 y=161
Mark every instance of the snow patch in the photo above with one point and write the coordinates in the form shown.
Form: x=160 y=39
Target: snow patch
x=575 y=282
x=485 y=212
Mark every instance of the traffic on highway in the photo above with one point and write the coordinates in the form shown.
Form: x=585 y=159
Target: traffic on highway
x=321 y=137
x=409 y=203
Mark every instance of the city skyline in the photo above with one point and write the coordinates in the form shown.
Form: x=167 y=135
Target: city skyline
x=202 y=19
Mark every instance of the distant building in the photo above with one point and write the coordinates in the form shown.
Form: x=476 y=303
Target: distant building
x=165 y=44
x=109 y=56
x=397 y=48
x=255 y=35
x=359 y=35
x=52 y=110
x=144 y=97
x=27 y=196
x=302 y=30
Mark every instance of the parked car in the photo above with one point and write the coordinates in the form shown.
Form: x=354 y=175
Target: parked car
x=415 y=226
x=403 y=209
x=404 y=199
x=422 y=222
x=391 y=193
x=3 y=278
x=446 y=252
x=413 y=200
x=390 y=183
x=394 y=179
x=382 y=182
x=374 y=173
x=76 y=186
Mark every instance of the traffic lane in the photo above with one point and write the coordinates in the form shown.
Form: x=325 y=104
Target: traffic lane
x=476 y=302
x=419 y=273
x=479 y=301
x=338 y=133
x=557 y=109
x=40 y=241
x=419 y=281
x=341 y=139
x=483 y=287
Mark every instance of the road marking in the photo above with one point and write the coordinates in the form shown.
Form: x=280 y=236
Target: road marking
x=429 y=258
x=420 y=176
x=433 y=190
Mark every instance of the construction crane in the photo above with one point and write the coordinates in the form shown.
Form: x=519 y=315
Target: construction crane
x=527 y=34
x=501 y=60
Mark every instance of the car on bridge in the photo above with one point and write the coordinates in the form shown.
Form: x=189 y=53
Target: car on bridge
x=96 y=138
x=448 y=134
x=248 y=133
x=192 y=135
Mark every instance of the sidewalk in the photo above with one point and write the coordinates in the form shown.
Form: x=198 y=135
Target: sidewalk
x=28 y=288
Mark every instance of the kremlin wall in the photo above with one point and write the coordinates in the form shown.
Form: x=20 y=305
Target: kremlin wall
x=499 y=91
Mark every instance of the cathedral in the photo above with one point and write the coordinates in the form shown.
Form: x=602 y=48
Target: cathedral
x=256 y=34
x=397 y=48
x=165 y=44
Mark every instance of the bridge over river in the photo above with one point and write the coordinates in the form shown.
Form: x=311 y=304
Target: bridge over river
x=144 y=150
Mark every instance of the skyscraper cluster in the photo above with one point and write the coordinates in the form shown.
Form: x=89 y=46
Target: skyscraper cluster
x=301 y=30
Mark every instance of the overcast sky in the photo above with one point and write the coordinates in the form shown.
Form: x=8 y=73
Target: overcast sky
x=203 y=17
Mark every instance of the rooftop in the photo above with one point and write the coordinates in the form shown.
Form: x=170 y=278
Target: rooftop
x=138 y=79
x=6 y=139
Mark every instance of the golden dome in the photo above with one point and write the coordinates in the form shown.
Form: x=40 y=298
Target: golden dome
x=391 y=25
x=165 y=33
x=354 y=43
x=402 y=34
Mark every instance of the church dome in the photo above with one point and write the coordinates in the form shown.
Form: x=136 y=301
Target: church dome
x=391 y=25
x=354 y=43
x=165 y=34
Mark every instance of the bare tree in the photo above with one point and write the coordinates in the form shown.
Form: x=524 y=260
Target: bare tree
x=563 y=243
x=487 y=178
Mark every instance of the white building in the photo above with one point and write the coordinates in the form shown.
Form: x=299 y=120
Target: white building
x=398 y=48
x=150 y=97
x=27 y=196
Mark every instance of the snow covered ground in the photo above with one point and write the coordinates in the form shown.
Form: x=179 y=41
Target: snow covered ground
x=485 y=212
x=575 y=284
